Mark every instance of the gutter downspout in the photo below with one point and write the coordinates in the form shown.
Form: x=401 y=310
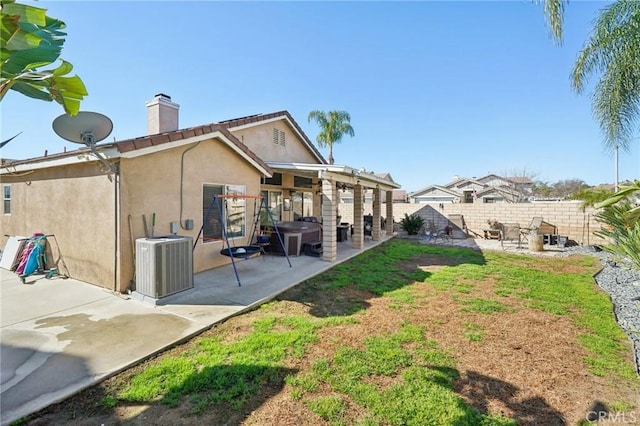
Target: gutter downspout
x=116 y=207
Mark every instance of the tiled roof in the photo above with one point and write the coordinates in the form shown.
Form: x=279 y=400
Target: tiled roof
x=182 y=134
x=159 y=139
x=128 y=145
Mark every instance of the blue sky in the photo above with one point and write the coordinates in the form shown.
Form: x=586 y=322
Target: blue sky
x=434 y=89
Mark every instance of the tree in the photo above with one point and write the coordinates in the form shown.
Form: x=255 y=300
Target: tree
x=613 y=52
x=333 y=126
x=541 y=189
x=516 y=185
x=554 y=16
x=590 y=197
x=567 y=188
x=30 y=40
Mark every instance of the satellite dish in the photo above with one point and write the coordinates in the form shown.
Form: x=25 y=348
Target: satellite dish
x=86 y=127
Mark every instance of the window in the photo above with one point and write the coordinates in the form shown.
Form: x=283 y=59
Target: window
x=278 y=137
x=302 y=182
x=275 y=180
x=227 y=211
x=6 y=197
x=273 y=201
x=302 y=205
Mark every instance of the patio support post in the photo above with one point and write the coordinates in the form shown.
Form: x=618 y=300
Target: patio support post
x=389 y=217
x=377 y=217
x=317 y=191
x=329 y=230
x=358 y=219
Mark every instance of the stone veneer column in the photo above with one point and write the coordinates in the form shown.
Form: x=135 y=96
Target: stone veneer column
x=377 y=220
x=389 y=217
x=358 y=221
x=329 y=231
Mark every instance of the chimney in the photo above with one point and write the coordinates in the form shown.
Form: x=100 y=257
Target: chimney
x=162 y=114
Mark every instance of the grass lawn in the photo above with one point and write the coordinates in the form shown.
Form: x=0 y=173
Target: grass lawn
x=404 y=334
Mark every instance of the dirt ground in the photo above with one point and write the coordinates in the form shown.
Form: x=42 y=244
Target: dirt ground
x=528 y=365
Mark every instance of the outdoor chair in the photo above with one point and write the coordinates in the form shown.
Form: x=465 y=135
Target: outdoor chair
x=511 y=234
x=535 y=224
x=433 y=233
x=457 y=223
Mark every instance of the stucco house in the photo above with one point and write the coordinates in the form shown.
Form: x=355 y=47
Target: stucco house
x=97 y=212
x=488 y=189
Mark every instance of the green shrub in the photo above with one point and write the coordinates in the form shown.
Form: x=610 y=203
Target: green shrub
x=623 y=232
x=412 y=224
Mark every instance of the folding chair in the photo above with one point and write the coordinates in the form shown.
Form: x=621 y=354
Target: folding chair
x=535 y=224
x=511 y=233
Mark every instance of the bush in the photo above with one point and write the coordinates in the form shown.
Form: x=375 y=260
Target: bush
x=412 y=224
x=623 y=233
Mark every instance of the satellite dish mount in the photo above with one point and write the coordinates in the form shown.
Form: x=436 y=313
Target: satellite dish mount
x=86 y=128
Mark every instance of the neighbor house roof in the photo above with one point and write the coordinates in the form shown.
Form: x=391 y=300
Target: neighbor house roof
x=431 y=188
x=502 y=191
x=386 y=176
x=459 y=182
x=522 y=180
x=519 y=179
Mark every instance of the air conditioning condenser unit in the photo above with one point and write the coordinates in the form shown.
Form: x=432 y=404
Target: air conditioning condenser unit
x=164 y=265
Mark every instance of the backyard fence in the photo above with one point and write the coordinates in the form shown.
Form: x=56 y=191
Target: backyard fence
x=569 y=218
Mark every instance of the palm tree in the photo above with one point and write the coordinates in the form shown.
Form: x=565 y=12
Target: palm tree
x=333 y=125
x=613 y=52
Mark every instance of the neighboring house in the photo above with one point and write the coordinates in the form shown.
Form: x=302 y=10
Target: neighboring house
x=488 y=189
x=434 y=194
x=97 y=212
x=513 y=188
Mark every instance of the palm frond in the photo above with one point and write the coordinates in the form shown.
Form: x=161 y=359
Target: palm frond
x=623 y=197
x=624 y=236
x=554 y=17
x=612 y=52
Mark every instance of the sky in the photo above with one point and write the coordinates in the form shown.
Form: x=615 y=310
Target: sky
x=435 y=90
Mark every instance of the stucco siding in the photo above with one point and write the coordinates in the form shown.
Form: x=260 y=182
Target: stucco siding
x=152 y=184
x=259 y=139
x=76 y=204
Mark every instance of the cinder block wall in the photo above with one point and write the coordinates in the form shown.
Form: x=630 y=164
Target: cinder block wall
x=568 y=217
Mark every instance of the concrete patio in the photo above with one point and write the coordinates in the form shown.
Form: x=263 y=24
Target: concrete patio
x=59 y=336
